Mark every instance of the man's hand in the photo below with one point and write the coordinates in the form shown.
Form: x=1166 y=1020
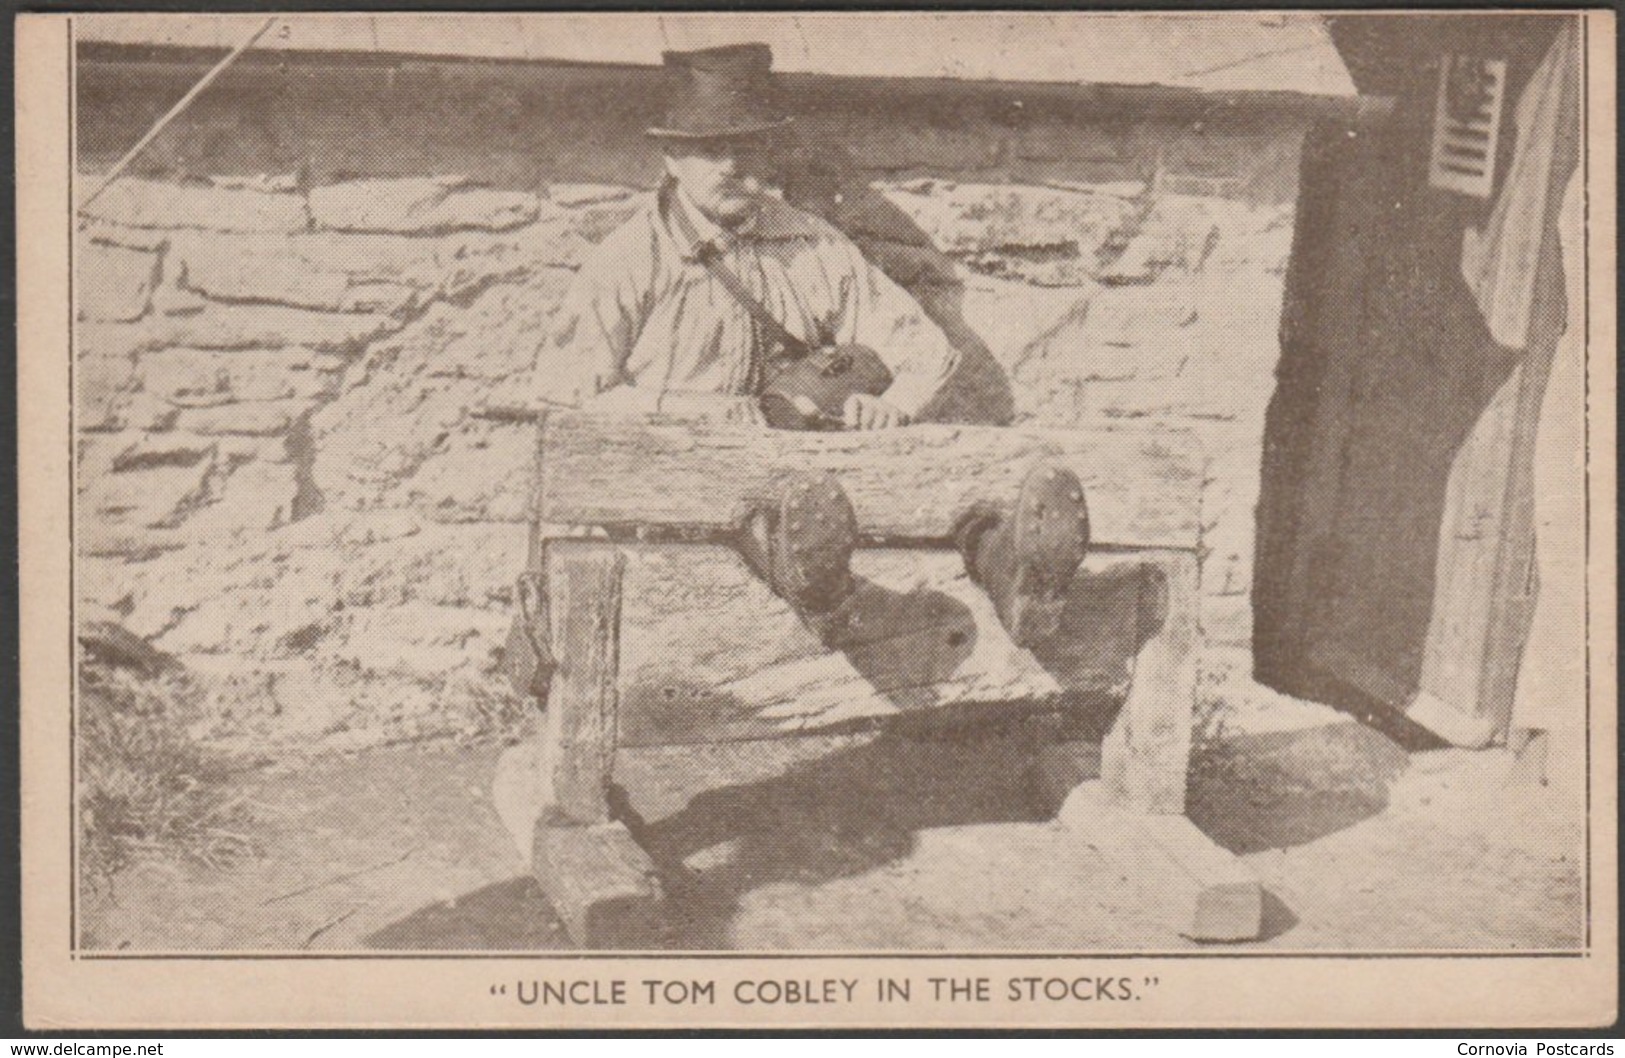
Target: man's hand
x=864 y=412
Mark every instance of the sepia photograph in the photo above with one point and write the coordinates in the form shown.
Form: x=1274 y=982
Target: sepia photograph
x=1119 y=503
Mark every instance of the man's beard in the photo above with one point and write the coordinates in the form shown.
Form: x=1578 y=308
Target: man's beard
x=750 y=203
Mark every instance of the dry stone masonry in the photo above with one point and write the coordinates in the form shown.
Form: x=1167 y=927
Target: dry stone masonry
x=280 y=480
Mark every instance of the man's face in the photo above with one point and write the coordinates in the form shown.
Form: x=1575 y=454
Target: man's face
x=725 y=178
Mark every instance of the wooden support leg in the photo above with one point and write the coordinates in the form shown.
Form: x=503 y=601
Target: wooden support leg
x=1135 y=816
x=601 y=883
x=1145 y=757
x=585 y=586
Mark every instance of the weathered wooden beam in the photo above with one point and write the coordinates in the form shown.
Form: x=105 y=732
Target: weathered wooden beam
x=906 y=485
x=601 y=884
x=552 y=791
x=709 y=654
x=1203 y=891
x=579 y=725
x=1146 y=755
x=561 y=772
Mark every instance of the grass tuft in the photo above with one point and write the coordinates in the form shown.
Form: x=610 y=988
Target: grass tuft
x=147 y=787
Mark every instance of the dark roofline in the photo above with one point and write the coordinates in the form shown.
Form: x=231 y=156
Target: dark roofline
x=1155 y=99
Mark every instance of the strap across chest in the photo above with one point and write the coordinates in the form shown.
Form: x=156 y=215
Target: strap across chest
x=709 y=256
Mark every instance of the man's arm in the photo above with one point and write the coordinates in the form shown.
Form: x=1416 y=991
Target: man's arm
x=586 y=351
x=582 y=363
x=878 y=313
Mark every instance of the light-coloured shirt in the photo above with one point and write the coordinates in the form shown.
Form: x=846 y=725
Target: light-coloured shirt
x=644 y=312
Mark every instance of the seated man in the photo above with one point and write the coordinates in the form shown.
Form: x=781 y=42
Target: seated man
x=686 y=309
x=648 y=326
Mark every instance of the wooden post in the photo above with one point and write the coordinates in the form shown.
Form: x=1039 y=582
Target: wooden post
x=600 y=882
x=1144 y=758
x=1135 y=816
x=585 y=587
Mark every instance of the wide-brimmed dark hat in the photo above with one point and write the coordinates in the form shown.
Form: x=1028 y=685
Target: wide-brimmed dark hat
x=721 y=93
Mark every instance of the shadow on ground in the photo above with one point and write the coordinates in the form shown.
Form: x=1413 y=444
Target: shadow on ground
x=511 y=915
x=863 y=805
x=1287 y=788
x=727 y=819
x=834 y=816
x=843 y=815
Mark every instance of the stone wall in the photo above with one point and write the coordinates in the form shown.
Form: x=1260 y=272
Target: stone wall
x=280 y=480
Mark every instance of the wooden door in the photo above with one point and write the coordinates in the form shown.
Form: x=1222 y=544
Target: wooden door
x=1395 y=534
